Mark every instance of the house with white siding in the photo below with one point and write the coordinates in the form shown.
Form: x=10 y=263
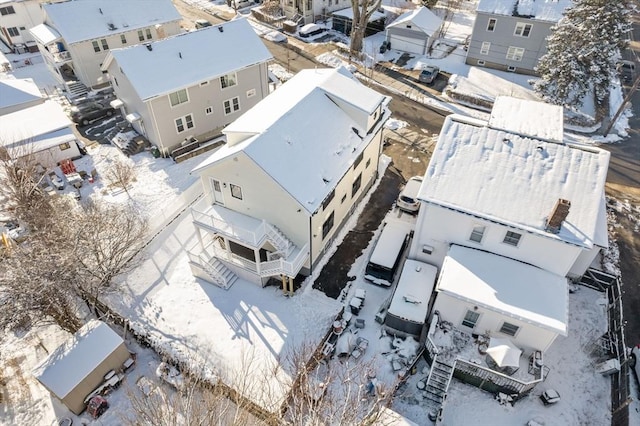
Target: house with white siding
x=510 y=211
x=76 y=36
x=294 y=168
x=17 y=17
x=201 y=81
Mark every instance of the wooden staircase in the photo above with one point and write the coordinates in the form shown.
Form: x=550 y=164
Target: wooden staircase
x=438 y=381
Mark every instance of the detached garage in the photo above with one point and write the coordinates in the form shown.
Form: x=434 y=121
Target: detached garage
x=77 y=367
x=414 y=32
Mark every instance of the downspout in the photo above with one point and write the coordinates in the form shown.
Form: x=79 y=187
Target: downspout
x=155 y=125
x=310 y=246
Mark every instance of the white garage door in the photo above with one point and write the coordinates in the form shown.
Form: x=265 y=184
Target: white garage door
x=407 y=44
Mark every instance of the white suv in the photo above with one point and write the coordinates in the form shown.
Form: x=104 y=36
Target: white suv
x=408 y=199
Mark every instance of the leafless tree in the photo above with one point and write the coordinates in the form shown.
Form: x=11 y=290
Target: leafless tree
x=449 y=7
x=121 y=173
x=106 y=237
x=362 y=11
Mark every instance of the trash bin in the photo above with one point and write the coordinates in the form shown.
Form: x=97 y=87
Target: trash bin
x=155 y=152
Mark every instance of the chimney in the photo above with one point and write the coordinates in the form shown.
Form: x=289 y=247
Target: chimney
x=558 y=215
x=149 y=47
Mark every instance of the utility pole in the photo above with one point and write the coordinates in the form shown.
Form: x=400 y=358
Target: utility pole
x=622 y=106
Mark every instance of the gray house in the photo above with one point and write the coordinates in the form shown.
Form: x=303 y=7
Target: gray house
x=414 y=31
x=190 y=85
x=510 y=35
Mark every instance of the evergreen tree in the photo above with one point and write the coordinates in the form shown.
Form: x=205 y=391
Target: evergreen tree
x=582 y=51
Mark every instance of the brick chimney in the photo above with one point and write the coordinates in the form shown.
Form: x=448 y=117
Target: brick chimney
x=558 y=215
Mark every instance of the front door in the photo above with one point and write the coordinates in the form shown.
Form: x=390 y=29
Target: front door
x=217 y=192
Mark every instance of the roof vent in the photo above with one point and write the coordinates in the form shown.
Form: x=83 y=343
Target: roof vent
x=221 y=29
x=180 y=54
x=558 y=215
x=100 y=9
x=111 y=26
x=149 y=47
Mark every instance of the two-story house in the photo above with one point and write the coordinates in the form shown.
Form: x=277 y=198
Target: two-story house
x=31 y=125
x=201 y=81
x=17 y=17
x=293 y=170
x=76 y=36
x=508 y=212
x=309 y=11
x=510 y=35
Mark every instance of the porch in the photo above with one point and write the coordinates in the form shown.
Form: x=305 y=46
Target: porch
x=252 y=248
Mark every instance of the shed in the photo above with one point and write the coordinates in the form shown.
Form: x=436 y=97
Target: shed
x=343 y=22
x=414 y=31
x=79 y=365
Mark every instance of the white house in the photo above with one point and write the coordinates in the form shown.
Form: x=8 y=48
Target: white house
x=77 y=35
x=511 y=191
x=32 y=125
x=17 y=17
x=310 y=11
x=414 y=31
x=201 y=81
x=294 y=168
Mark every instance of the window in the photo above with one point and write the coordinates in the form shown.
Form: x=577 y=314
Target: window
x=512 y=238
x=123 y=39
x=367 y=163
x=522 y=29
x=477 y=233
x=408 y=26
x=231 y=105
x=356 y=185
x=509 y=329
x=515 y=53
x=358 y=160
x=327 y=225
x=344 y=197
x=204 y=83
x=96 y=46
x=236 y=191
x=179 y=97
x=184 y=123
x=481 y=63
x=511 y=69
x=484 y=50
x=140 y=35
x=208 y=110
x=13 y=32
x=148 y=31
x=491 y=25
x=228 y=80
x=470 y=319
x=7 y=10
x=105 y=46
x=64 y=146
x=327 y=200
x=251 y=93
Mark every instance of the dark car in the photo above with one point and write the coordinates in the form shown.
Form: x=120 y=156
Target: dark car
x=91 y=111
x=428 y=74
x=202 y=23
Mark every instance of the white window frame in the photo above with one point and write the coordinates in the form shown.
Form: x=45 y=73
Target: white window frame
x=515 y=53
x=234 y=191
x=232 y=105
x=140 y=35
x=96 y=46
x=179 y=98
x=477 y=233
x=228 y=80
x=148 y=33
x=511 y=68
x=510 y=238
x=522 y=28
x=104 y=44
x=186 y=122
x=475 y=322
x=491 y=25
x=14 y=30
x=251 y=93
x=484 y=49
x=123 y=38
x=208 y=110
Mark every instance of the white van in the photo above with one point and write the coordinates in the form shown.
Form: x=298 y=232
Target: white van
x=408 y=199
x=385 y=259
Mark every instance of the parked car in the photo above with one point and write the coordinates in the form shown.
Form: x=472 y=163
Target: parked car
x=91 y=111
x=550 y=396
x=276 y=37
x=96 y=406
x=626 y=70
x=428 y=74
x=202 y=23
x=310 y=30
x=408 y=198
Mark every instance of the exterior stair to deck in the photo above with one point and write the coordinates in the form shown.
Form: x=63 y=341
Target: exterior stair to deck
x=280 y=241
x=438 y=381
x=75 y=89
x=220 y=275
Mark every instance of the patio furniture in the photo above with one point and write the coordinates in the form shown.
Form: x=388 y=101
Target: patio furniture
x=361 y=346
x=355 y=304
x=359 y=323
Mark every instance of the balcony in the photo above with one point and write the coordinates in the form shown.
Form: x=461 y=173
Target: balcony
x=61 y=57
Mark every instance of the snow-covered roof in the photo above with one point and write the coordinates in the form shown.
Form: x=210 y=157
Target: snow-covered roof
x=301 y=137
x=543 y=10
x=32 y=122
x=506 y=286
x=45 y=34
x=69 y=364
x=82 y=20
x=411 y=296
x=516 y=180
x=189 y=58
x=348 y=13
x=422 y=18
x=527 y=117
x=18 y=91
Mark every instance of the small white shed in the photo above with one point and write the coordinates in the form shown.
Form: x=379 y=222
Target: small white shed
x=414 y=31
x=79 y=365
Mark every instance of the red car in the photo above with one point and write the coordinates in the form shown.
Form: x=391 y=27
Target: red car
x=97 y=406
